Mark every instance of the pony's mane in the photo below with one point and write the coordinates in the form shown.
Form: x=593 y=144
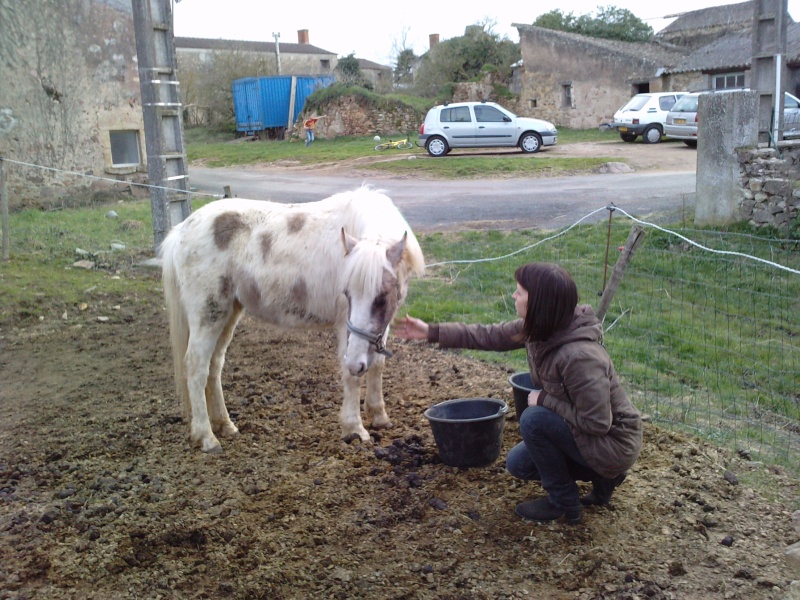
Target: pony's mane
x=363 y=273
x=370 y=214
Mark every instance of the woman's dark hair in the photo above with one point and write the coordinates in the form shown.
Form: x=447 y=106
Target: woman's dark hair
x=552 y=298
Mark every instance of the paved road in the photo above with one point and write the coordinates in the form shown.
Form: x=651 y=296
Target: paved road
x=547 y=203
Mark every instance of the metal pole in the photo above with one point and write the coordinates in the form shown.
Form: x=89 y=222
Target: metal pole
x=4 y=209
x=277 y=36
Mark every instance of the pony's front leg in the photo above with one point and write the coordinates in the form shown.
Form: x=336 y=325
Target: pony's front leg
x=374 y=407
x=350 y=414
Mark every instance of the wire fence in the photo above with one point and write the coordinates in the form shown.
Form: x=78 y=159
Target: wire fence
x=704 y=329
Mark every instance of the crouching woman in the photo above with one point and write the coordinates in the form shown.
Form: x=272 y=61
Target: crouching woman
x=581 y=426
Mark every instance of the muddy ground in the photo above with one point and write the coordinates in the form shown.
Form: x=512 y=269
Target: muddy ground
x=102 y=497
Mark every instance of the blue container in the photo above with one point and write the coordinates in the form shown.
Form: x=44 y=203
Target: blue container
x=468 y=431
x=273 y=102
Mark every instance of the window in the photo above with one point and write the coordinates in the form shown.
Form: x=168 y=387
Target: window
x=666 y=102
x=125 y=148
x=325 y=65
x=534 y=102
x=727 y=81
x=459 y=114
x=566 y=96
x=488 y=114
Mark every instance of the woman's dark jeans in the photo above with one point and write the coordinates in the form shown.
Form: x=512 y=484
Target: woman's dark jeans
x=548 y=453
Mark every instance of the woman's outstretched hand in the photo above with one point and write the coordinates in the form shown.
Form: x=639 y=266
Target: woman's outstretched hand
x=410 y=328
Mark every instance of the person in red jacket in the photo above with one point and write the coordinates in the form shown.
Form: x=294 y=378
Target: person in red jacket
x=309 y=125
x=581 y=426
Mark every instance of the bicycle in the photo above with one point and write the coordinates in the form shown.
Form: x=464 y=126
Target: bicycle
x=400 y=144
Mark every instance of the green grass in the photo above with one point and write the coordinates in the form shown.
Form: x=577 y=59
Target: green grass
x=214 y=150
x=705 y=343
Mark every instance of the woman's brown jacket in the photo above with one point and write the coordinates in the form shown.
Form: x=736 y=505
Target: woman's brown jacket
x=578 y=382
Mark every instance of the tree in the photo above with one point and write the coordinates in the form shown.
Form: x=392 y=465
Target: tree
x=349 y=72
x=404 y=67
x=607 y=22
x=464 y=58
x=404 y=60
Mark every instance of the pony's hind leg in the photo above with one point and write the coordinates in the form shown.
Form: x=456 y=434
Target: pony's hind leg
x=374 y=407
x=202 y=342
x=221 y=422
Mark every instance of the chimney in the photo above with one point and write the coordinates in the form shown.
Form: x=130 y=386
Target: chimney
x=302 y=36
x=433 y=39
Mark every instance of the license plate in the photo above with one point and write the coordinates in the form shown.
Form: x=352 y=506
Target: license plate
x=623 y=129
x=679 y=121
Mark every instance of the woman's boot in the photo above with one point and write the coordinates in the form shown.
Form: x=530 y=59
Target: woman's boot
x=602 y=489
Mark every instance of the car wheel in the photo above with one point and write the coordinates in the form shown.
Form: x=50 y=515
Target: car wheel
x=690 y=143
x=628 y=137
x=530 y=142
x=436 y=146
x=652 y=135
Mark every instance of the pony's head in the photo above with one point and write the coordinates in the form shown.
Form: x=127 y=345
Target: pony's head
x=375 y=284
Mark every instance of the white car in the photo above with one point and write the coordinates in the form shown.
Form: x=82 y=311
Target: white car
x=682 y=119
x=482 y=125
x=644 y=115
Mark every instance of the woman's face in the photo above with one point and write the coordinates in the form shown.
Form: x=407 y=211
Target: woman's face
x=521 y=301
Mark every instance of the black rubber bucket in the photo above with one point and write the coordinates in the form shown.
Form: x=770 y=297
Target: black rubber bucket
x=468 y=431
x=522 y=385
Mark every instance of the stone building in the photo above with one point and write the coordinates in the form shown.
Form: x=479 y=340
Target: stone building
x=69 y=98
x=301 y=58
x=578 y=81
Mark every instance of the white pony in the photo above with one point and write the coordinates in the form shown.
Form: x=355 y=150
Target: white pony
x=344 y=262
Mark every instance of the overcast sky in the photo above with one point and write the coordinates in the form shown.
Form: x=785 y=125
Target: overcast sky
x=373 y=29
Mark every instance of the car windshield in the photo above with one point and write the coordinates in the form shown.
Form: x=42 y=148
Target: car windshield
x=635 y=103
x=686 y=104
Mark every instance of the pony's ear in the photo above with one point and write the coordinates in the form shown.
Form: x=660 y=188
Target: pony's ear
x=348 y=241
x=395 y=253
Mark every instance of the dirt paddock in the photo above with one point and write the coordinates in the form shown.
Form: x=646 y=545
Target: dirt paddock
x=102 y=497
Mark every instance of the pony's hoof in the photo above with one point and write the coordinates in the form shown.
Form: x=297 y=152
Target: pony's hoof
x=228 y=430
x=382 y=424
x=361 y=434
x=211 y=446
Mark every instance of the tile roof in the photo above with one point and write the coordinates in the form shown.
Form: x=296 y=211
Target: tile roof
x=728 y=14
x=656 y=52
x=733 y=52
x=363 y=63
x=219 y=44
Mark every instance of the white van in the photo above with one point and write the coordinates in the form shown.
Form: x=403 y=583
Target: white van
x=644 y=115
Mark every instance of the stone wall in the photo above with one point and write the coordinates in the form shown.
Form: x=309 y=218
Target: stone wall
x=68 y=78
x=354 y=115
x=769 y=182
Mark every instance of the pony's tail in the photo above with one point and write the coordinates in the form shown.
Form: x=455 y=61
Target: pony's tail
x=178 y=324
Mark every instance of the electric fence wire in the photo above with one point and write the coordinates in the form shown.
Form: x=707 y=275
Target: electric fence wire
x=449 y=262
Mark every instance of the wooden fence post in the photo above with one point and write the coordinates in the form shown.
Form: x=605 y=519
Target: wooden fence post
x=635 y=238
x=4 y=209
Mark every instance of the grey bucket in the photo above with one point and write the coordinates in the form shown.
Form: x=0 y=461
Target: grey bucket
x=522 y=385
x=468 y=431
